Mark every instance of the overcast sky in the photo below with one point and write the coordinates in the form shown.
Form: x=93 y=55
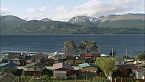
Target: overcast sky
x=66 y=9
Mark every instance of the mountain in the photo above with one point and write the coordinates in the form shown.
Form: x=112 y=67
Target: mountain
x=45 y=20
x=11 y=25
x=84 y=21
x=112 y=24
x=11 y=18
x=123 y=21
x=108 y=20
x=128 y=16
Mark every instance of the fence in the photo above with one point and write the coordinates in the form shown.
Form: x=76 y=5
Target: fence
x=127 y=80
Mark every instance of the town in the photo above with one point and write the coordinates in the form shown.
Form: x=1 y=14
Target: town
x=83 y=63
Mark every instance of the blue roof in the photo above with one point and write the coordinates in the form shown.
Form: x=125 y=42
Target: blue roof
x=3 y=64
x=84 y=65
x=9 y=65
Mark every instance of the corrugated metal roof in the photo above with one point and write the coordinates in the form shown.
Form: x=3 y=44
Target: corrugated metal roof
x=9 y=64
x=84 y=65
x=62 y=65
x=87 y=65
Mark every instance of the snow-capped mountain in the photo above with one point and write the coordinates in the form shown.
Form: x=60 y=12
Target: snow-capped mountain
x=127 y=23
x=84 y=20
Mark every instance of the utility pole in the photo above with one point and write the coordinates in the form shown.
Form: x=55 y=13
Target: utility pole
x=112 y=52
x=99 y=50
x=126 y=53
x=131 y=53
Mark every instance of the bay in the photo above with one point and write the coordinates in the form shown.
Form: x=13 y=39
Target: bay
x=134 y=43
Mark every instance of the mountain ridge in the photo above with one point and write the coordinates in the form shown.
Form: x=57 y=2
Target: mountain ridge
x=112 y=24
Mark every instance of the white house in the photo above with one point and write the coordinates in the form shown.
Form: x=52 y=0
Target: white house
x=139 y=73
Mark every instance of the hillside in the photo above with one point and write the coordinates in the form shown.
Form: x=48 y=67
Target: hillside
x=112 y=24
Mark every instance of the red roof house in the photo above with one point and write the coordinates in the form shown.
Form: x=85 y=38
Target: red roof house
x=89 y=55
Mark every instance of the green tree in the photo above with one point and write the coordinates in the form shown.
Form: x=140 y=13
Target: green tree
x=88 y=46
x=70 y=48
x=107 y=65
x=18 y=73
x=141 y=56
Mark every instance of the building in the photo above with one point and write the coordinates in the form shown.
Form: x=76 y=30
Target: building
x=8 y=65
x=33 y=70
x=62 y=70
x=85 y=67
x=88 y=70
x=13 y=55
x=139 y=72
x=75 y=62
x=57 y=57
x=38 y=58
x=127 y=69
x=16 y=61
x=89 y=55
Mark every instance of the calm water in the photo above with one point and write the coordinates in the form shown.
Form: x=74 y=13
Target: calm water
x=51 y=43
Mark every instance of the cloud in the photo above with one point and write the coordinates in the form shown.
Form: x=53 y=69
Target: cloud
x=37 y=13
x=97 y=8
x=5 y=11
x=90 y=8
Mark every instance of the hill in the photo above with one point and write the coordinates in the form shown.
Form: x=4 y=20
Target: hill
x=112 y=24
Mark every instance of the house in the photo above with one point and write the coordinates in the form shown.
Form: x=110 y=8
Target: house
x=8 y=65
x=86 y=67
x=1 y=58
x=88 y=70
x=28 y=61
x=49 y=62
x=90 y=60
x=89 y=55
x=33 y=70
x=122 y=71
x=127 y=69
x=22 y=63
x=78 y=61
x=62 y=70
x=38 y=57
x=139 y=62
x=119 y=61
x=74 y=62
x=12 y=55
x=16 y=61
x=57 y=57
x=139 y=71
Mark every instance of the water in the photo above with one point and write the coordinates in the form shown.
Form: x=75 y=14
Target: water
x=50 y=43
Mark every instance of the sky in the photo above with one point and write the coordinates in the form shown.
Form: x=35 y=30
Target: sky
x=63 y=10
